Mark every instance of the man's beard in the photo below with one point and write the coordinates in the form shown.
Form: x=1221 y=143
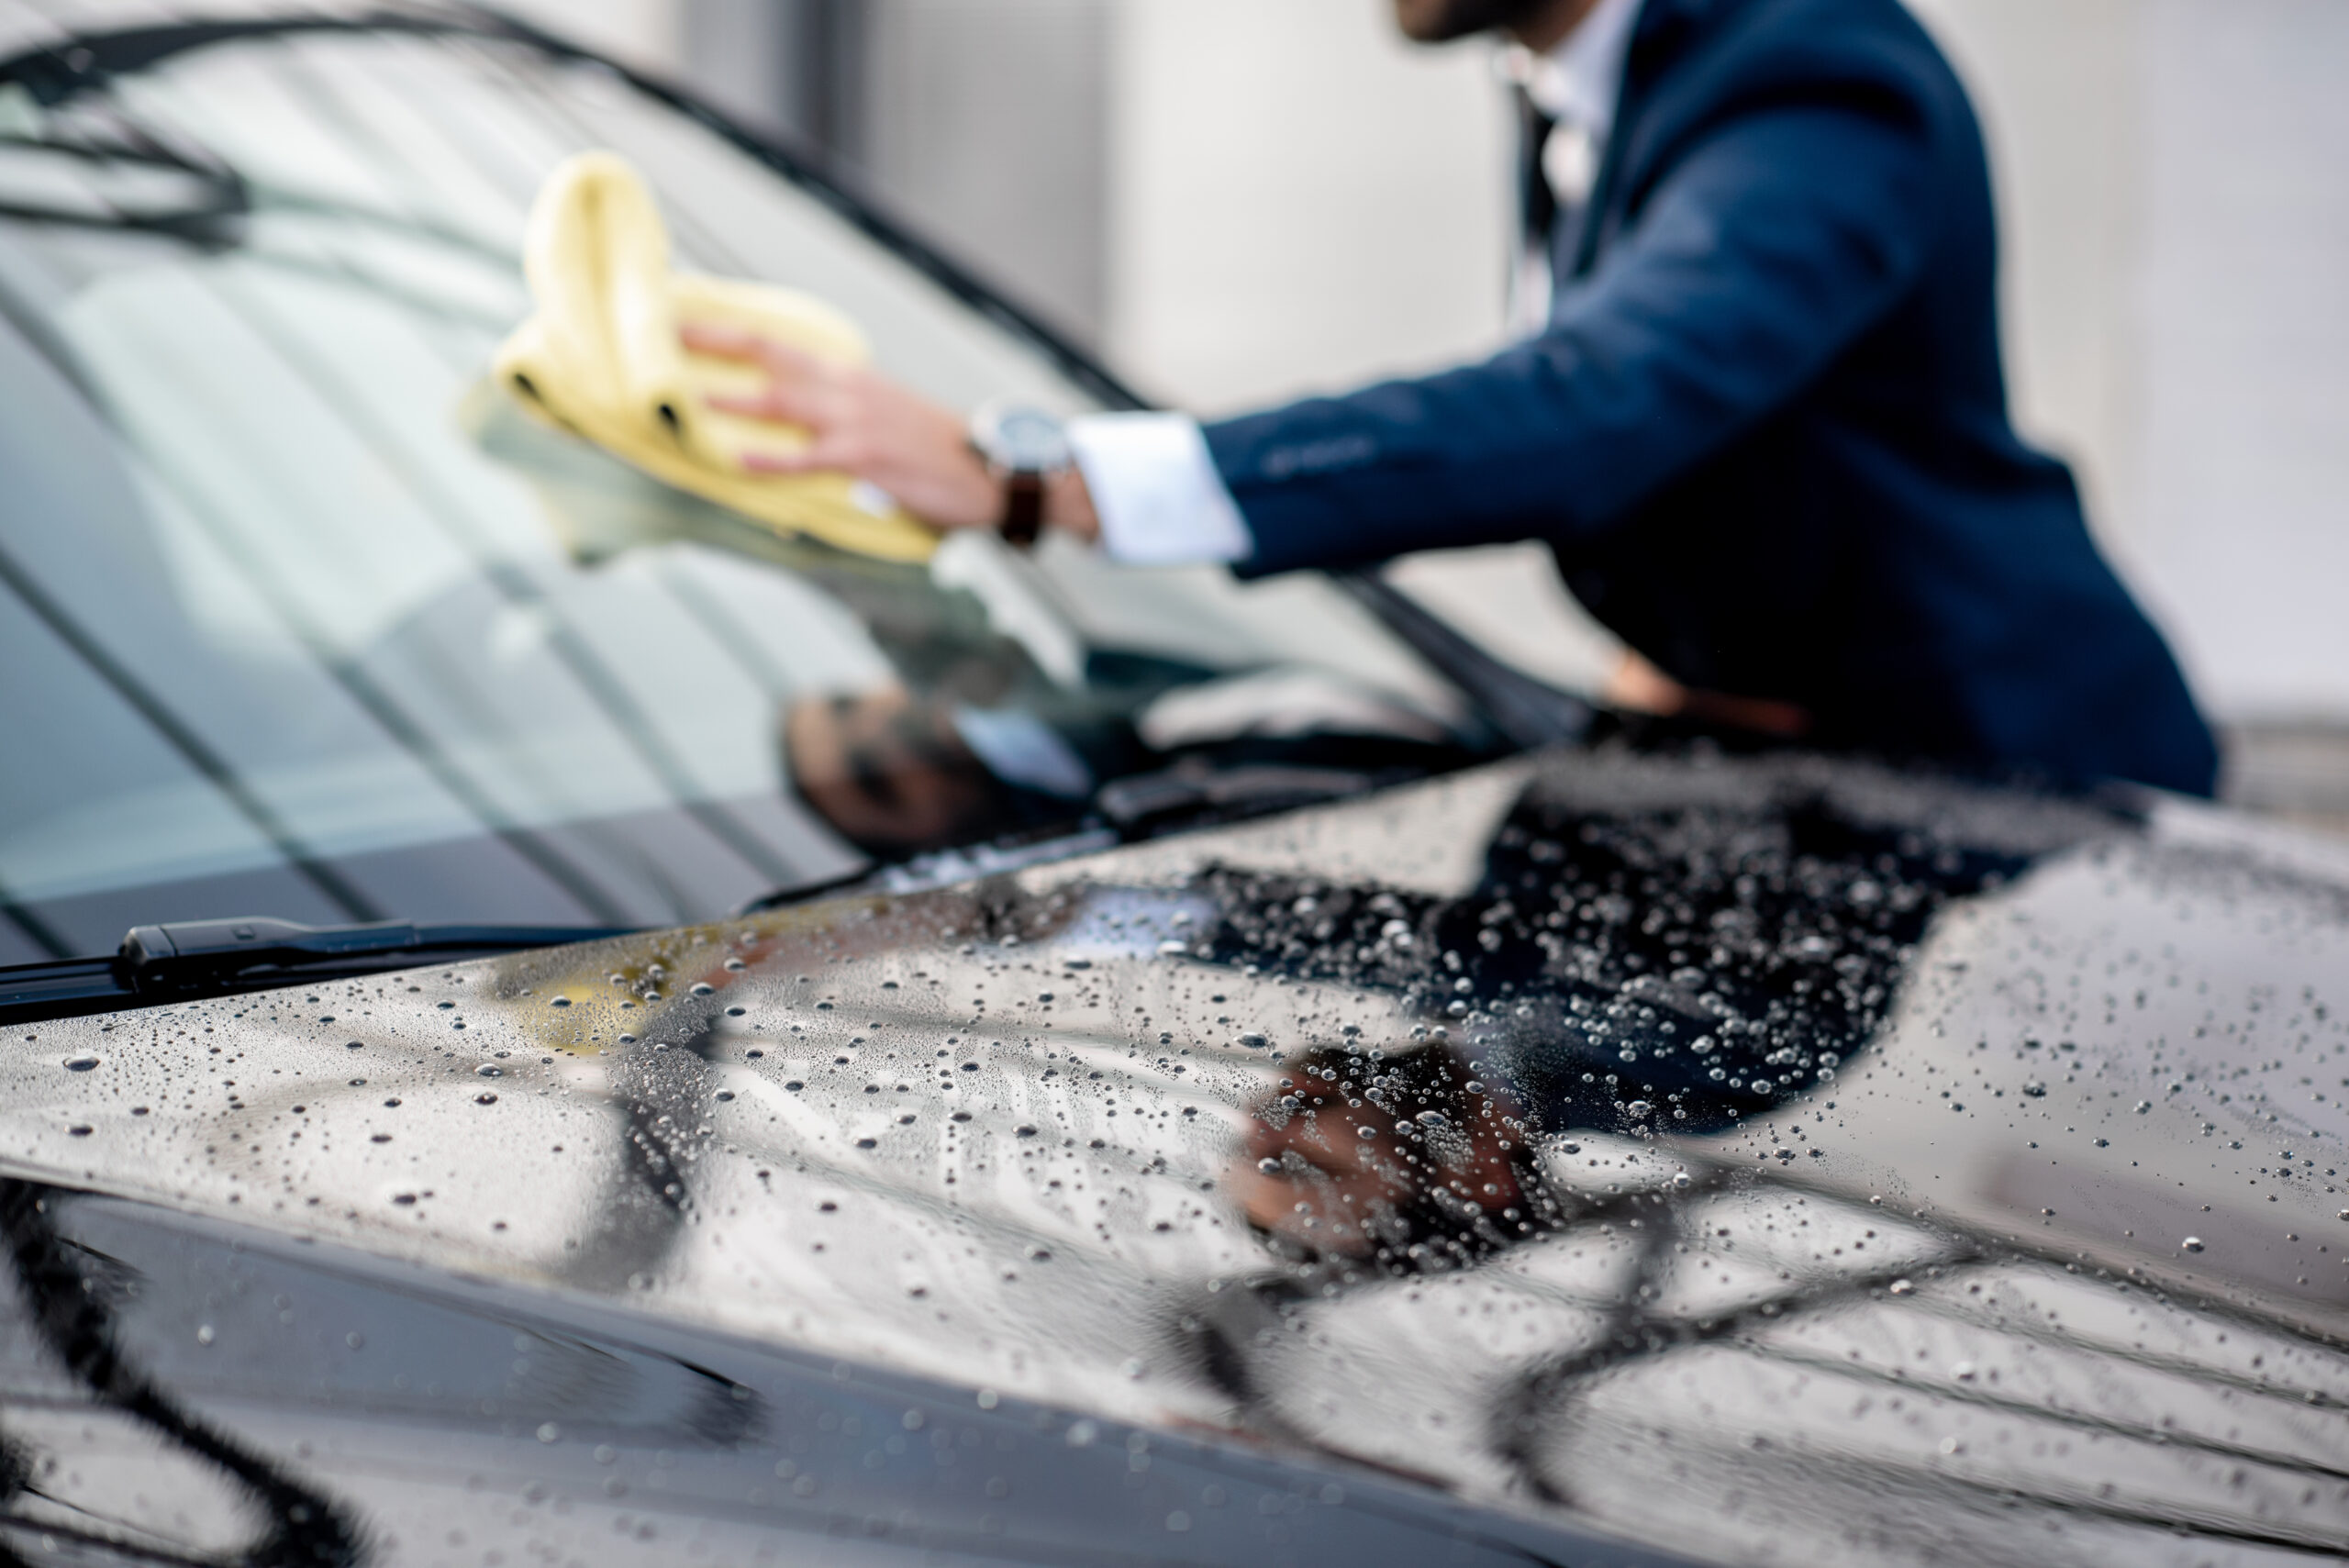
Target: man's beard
x=1436 y=21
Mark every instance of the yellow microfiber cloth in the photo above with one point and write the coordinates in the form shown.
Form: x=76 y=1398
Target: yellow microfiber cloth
x=602 y=360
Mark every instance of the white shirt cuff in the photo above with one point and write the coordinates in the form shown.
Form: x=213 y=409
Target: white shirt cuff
x=1156 y=490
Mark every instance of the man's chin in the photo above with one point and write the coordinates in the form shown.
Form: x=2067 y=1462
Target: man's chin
x=1439 y=21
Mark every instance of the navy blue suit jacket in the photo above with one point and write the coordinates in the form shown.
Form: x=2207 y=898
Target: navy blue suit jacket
x=1765 y=432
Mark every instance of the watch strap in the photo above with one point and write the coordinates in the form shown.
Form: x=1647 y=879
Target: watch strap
x=1023 y=507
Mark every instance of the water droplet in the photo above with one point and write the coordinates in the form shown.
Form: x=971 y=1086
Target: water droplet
x=1903 y=1287
x=1963 y=1372
x=81 y=1064
x=606 y=1453
x=550 y=1433
x=1082 y=1434
x=204 y=1333
x=355 y=1340
x=559 y=1002
x=1639 y=1108
x=1366 y=1133
x=485 y=1099
x=486 y=1071
x=2192 y=1243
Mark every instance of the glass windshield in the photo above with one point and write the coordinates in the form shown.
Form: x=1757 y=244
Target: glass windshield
x=300 y=617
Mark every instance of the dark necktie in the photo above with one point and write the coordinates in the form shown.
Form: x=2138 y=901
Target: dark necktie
x=1537 y=204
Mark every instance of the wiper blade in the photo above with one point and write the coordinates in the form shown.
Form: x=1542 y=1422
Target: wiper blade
x=1192 y=792
x=1529 y=713
x=186 y=959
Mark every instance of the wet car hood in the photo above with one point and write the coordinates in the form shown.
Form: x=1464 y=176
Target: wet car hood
x=1770 y=1159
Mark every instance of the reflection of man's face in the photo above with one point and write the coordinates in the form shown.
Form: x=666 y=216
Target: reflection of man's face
x=1436 y=21
x=1353 y=1164
x=886 y=769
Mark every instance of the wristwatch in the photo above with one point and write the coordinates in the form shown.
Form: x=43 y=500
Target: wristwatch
x=1026 y=449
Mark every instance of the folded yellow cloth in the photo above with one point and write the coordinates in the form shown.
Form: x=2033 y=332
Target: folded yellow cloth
x=602 y=360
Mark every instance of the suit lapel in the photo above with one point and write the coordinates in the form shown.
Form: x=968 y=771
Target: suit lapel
x=1656 y=41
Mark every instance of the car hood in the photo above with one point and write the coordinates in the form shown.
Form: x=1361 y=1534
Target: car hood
x=1773 y=1159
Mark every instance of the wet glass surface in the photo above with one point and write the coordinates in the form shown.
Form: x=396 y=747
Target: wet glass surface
x=1769 y=1160
x=304 y=619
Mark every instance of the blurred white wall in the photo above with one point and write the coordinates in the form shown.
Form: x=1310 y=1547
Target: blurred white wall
x=1301 y=199
x=2176 y=228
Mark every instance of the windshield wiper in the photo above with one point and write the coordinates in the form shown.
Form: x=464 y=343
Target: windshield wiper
x=187 y=959
x=1528 y=713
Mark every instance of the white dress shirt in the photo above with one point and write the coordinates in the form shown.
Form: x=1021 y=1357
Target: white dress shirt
x=1153 y=485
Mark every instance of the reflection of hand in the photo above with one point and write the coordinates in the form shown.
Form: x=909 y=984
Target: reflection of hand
x=1378 y=1152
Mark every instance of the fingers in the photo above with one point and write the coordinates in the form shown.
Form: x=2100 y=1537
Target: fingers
x=781 y=360
x=801 y=388
x=784 y=405
x=814 y=460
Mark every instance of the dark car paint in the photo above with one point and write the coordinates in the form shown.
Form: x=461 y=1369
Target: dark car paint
x=1006 y=1137
x=374 y=1412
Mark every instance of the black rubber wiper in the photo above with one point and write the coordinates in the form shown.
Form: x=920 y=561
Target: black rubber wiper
x=187 y=959
x=1528 y=713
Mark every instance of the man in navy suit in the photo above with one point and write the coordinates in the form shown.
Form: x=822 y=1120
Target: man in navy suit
x=1759 y=415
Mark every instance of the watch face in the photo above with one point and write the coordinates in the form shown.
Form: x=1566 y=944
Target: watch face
x=1023 y=441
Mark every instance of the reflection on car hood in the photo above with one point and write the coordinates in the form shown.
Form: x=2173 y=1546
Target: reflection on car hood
x=1774 y=1160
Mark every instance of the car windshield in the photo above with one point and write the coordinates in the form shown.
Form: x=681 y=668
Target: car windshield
x=300 y=617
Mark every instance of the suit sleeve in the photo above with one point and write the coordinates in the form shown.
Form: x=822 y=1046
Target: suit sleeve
x=1766 y=250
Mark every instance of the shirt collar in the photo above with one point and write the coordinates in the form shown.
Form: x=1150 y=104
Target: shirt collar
x=1580 y=81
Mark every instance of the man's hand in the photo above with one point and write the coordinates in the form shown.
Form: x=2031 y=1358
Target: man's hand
x=861 y=422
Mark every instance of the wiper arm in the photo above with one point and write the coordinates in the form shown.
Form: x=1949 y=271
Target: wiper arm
x=1528 y=713
x=185 y=959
